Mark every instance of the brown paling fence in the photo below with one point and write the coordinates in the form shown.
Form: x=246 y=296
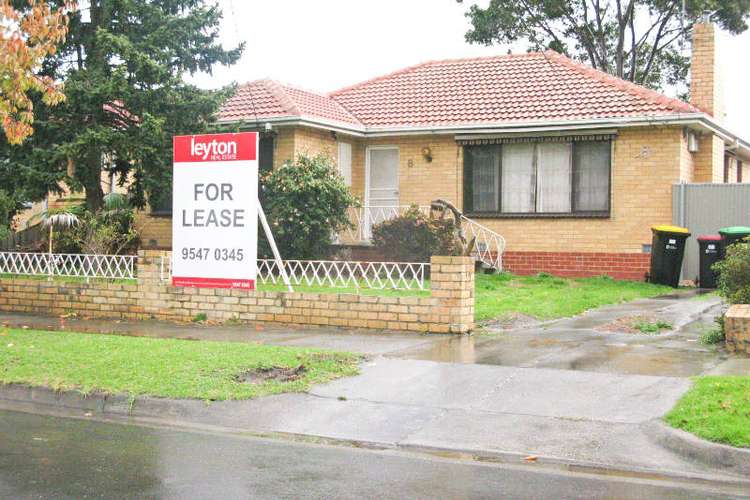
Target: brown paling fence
x=26 y=238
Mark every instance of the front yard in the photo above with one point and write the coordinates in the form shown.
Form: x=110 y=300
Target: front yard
x=163 y=367
x=545 y=297
x=716 y=408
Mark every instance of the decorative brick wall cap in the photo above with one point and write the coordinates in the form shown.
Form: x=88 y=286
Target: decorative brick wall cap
x=739 y=311
x=443 y=259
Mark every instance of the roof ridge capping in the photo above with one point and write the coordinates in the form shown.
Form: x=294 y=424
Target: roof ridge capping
x=622 y=84
x=277 y=90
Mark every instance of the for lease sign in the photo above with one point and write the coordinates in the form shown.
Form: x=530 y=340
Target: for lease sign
x=214 y=210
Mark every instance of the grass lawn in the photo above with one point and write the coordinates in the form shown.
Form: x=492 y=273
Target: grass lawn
x=717 y=409
x=162 y=367
x=547 y=297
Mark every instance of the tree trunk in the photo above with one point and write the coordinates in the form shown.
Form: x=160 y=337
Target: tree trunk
x=91 y=179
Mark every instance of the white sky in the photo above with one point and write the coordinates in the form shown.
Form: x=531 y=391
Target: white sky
x=323 y=45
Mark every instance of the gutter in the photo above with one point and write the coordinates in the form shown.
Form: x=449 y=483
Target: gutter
x=699 y=121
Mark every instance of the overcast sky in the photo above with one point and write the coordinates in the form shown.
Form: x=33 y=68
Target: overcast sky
x=323 y=45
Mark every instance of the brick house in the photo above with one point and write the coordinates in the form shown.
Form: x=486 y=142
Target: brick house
x=570 y=165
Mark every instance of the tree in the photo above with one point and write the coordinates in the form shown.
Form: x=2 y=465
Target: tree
x=123 y=64
x=27 y=36
x=638 y=40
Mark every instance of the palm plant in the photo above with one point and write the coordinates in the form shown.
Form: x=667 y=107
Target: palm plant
x=58 y=218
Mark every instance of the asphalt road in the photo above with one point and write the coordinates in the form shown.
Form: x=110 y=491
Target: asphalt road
x=52 y=457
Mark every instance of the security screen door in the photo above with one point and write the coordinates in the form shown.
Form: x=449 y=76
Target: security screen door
x=382 y=186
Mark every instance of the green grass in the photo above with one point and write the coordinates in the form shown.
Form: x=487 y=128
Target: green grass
x=652 y=327
x=717 y=409
x=68 y=279
x=158 y=367
x=386 y=292
x=547 y=297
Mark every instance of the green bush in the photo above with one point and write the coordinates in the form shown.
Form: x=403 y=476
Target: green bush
x=306 y=202
x=415 y=237
x=734 y=273
x=109 y=231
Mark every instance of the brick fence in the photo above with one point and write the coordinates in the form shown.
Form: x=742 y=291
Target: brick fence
x=448 y=309
x=737 y=328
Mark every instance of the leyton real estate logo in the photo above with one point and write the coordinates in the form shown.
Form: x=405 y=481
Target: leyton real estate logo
x=214 y=150
x=214 y=147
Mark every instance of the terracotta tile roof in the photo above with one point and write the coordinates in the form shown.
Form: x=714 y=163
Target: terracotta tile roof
x=533 y=87
x=270 y=99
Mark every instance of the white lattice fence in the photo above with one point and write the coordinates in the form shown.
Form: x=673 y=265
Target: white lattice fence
x=338 y=274
x=347 y=274
x=68 y=265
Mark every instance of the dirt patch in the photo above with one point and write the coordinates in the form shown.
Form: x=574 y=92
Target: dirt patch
x=638 y=324
x=510 y=322
x=275 y=373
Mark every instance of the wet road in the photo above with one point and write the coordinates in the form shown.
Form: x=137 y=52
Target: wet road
x=50 y=457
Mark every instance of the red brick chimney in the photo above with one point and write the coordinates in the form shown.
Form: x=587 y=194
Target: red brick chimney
x=705 y=81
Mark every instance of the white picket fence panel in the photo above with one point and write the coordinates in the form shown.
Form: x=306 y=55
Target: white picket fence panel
x=68 y=265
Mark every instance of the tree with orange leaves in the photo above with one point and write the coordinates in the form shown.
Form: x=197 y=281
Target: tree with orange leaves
x=27 y=36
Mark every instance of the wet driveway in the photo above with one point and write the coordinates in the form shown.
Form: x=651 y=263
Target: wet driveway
x=580 y=343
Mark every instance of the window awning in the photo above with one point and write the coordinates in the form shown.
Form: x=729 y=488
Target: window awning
x=477 y=140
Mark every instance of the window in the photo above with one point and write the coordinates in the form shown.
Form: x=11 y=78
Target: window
x=265 y=155
x=345 y=162
x=538 y=178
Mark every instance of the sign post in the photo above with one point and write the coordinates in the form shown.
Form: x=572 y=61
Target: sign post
x=215 y=211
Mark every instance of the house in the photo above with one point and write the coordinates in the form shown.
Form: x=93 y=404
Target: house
x=569 y=165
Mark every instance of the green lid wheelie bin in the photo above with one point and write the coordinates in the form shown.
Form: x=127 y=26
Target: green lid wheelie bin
x=711 y=251
x=667 y=251
x=734 y=234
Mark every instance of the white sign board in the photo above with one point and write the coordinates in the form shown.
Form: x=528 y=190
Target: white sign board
x=214 y=210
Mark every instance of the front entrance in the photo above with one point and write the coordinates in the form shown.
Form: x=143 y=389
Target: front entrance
x=381 y=190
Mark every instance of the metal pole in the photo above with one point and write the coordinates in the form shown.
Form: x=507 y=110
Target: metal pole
x=274 y=248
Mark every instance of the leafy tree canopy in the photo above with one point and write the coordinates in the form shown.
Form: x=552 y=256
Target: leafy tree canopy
x=27 y=36
x=639 y=40
x=123 y=64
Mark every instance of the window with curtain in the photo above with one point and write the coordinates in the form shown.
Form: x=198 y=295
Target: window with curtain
x=545 y=178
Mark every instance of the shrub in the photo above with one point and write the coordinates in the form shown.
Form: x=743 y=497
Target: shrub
x=716 y=334
x=306 y=202
x=109 y=231
x=734 y=273
x=415 y=237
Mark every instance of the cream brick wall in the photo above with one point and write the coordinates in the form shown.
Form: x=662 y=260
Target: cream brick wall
x=709 y=160
x=449 y=309
x=645 y=163
x=737 y=328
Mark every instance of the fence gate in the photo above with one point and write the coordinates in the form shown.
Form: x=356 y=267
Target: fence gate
x=704 y=209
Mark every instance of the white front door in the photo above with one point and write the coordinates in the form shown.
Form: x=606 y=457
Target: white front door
x=381 y=197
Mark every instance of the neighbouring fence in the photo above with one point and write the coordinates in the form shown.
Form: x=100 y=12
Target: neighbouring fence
x=68 y=265
x=704 y=209
x=449 y=307
x=23 y=239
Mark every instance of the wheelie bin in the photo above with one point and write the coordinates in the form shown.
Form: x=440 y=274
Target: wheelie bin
x=667 y=251
x=711 y=251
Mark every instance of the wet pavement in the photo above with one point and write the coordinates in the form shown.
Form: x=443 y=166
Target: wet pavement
x=47 y=457
x=564 y=390
x=576 y=343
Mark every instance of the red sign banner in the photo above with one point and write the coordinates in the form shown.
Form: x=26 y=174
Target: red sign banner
x=214 y=147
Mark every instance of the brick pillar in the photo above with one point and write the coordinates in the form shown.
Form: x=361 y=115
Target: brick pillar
x=452 y=283
x=737 y=328
x=149 y=266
